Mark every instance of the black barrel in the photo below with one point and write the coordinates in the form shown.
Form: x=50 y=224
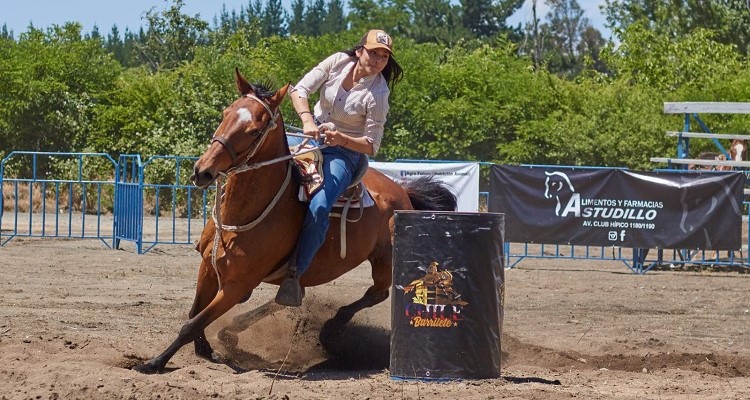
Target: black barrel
x=447 y=296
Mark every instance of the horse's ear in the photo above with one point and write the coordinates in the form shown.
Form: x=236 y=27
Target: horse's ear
x=242 y=85
x=278 y=97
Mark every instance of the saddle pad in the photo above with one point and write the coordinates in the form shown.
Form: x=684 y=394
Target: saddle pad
x=363 y=201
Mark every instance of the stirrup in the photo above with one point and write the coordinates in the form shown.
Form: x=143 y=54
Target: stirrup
x=290 y=293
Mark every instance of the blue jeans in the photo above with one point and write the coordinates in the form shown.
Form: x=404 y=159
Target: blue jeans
x=338 y=168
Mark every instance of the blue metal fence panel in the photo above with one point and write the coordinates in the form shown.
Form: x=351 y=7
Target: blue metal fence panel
x=57 y=194
x=129 y=201
x=177 y=209
x=154 y=203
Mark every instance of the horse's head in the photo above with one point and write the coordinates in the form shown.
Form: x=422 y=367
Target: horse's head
x=243 y=129
x=555 y=183
x=737 y=150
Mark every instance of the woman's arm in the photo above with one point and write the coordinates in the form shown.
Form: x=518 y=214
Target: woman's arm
x=302 y=106
x=358 y=144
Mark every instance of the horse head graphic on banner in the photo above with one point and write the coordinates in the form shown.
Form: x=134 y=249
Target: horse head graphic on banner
x=558 y=185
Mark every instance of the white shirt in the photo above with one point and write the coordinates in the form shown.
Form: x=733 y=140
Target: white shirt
x=360 y=112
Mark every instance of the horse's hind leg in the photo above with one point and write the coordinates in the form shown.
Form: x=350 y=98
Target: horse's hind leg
x=375 y=294
x=241 y=322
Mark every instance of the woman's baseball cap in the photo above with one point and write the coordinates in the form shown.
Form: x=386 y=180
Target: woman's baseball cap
x=377 y=39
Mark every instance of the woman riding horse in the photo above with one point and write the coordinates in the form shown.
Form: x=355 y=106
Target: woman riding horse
x=354 y=87
x=258 y=217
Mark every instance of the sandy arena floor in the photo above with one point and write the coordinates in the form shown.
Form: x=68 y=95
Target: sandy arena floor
x=75 y=316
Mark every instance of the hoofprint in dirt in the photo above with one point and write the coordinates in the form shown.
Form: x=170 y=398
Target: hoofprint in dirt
x=75 y=316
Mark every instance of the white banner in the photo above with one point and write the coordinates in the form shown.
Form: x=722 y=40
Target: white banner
x=461 y=178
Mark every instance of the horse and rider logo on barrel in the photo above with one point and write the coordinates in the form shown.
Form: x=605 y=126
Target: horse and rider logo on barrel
x=435 y=302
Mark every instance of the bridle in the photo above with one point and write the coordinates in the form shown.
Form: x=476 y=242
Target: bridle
x=239 y=168
x=256 y=145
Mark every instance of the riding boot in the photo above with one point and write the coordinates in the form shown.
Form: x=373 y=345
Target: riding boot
x=290 y=292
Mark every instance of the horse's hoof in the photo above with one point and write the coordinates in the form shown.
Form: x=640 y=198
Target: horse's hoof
x=218 y=358
x=214 y=357
x=148 y=368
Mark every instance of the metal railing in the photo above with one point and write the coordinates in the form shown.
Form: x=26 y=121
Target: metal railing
x=62 y=195
x=151 y=203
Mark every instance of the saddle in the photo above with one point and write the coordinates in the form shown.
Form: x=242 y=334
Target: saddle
x=308 y=160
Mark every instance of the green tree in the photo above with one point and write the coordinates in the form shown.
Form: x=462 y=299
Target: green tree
x=646 y=57
x=590 y=48
x=728 y=19
x=315 y=17
x=274 y=17
x=334 y=20
x=297 y=18
x=255 y=10
x=5 y=33
x=456 y=103
x=51 y=82
x=115 y=46
x=171 y=37
x=566 y=26
x=485 y=18
x=390 y=15
x=435 y=21
x=95 y=34
x=131 y=44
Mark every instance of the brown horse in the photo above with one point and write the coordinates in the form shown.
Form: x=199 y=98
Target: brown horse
x=737 y=150
x=250 y=149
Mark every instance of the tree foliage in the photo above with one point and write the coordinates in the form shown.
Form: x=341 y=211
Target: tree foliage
x=658 y=61
x=727 y=19
x=467 y=94
x=171 y=37
x=51 y=82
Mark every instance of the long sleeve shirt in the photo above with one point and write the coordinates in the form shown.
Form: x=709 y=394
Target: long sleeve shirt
x=359 y=112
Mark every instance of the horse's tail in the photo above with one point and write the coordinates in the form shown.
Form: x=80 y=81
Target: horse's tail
x=426 y=193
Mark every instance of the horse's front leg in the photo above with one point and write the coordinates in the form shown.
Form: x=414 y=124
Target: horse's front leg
x=205 y=291
x=194 y=328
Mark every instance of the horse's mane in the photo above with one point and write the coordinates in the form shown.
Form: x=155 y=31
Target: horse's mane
x=261 y=89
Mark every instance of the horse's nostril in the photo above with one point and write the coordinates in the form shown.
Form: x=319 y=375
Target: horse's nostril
x=201 y=178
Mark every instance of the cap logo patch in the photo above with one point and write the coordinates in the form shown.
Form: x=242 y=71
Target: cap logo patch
x=382 y=38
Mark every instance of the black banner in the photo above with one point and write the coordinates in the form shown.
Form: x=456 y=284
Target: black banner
x=614 y=207
x=447 y=299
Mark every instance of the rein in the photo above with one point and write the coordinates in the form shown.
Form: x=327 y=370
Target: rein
x=216 y=214
x=243 y=167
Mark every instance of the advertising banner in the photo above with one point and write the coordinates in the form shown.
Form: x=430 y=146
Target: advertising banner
x=614 y=207
x=461 y=178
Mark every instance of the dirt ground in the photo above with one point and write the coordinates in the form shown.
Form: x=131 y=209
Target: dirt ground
x=76 y=316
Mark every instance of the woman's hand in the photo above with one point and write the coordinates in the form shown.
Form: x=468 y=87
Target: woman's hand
x=309 y=128
x=335 y=138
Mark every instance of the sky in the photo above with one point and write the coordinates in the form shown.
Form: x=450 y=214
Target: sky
x=17 y=14
x=590 y=9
